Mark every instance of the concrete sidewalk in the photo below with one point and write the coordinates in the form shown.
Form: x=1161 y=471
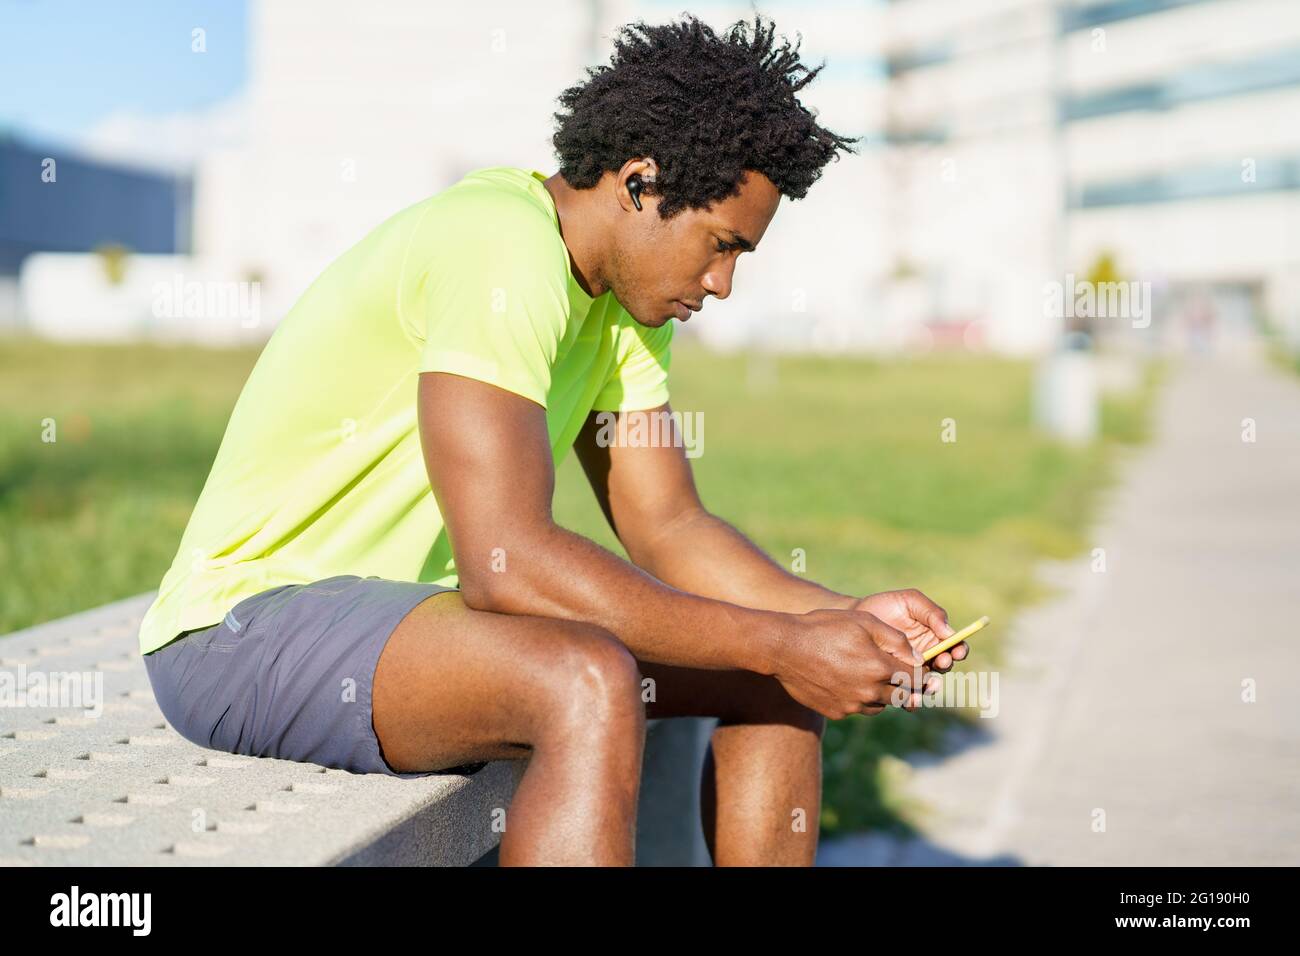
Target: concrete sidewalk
x=1122 y=702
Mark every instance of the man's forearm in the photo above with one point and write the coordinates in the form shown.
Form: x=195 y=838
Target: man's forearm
x=556 y=573
x=705 y=555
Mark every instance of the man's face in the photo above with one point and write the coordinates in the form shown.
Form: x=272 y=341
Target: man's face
x=661 y=269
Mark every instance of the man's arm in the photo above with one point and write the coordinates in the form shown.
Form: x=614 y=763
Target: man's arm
x=491 y=468
x=488 y=454
x=705 y=554
x=649 y=497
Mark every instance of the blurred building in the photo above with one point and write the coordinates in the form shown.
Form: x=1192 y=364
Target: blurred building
x=358 y=110
x=1026 y=141
x=1007 y=145
x=1183 y=154
x=53 y=202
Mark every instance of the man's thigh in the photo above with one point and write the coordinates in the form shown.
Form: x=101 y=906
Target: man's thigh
x=455 y=685
x=735 y=696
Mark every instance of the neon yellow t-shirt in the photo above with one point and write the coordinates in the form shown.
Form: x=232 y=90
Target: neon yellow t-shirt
x=320 y=471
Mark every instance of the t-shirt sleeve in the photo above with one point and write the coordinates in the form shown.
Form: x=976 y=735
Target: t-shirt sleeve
x=640 y=378
x=494 y=305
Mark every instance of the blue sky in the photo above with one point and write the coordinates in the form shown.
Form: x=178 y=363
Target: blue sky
x=66 y=65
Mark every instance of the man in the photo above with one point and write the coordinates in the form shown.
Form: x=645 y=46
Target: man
x=372 y=578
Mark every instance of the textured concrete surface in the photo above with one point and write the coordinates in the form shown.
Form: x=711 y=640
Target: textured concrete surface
x=121 y=787
x=1122 y=736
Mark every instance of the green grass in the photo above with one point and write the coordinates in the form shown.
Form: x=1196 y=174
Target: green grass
x=841 y=457
x=97 y=514
x=1286 y=356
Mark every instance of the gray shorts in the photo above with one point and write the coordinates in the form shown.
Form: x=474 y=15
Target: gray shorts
x=289 y=673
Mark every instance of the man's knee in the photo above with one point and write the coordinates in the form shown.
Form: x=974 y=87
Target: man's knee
x=596 y=673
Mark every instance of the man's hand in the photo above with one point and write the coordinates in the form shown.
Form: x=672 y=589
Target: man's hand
x=923 y=622
x=841 y=662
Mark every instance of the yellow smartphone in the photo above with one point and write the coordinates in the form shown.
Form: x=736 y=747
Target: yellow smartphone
x=956 y=639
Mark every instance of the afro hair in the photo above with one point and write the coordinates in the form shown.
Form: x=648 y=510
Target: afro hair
x=705 y=107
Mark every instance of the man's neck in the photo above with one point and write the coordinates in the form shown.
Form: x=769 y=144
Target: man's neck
x=580 y=228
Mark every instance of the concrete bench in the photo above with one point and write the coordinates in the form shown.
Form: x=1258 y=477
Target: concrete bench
x=123 y=788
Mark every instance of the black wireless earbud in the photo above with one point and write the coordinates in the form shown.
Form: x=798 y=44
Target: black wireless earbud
x=635 y=183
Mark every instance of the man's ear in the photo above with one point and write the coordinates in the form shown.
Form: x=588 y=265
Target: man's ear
x=640 y=174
